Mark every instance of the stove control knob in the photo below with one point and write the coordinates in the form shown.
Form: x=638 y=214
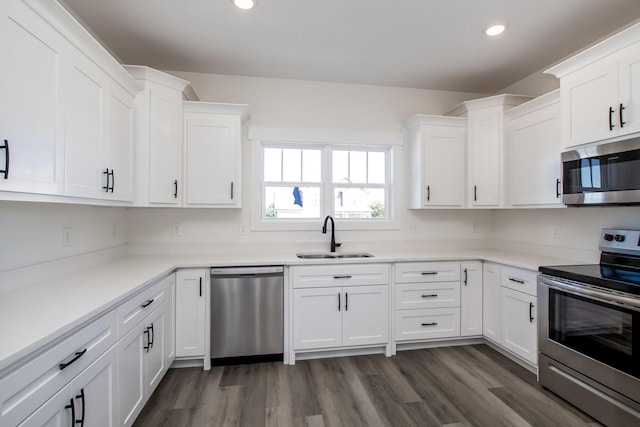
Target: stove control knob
x=608 y=237
x=619 y=237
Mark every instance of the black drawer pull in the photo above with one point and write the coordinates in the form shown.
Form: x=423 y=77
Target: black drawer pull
x=153 y=335
x=113 y=181
x=5 y=147
x=611 y=111
x=475 y=193
x=201 y=286
x=81 y=397
x=516 y=280
x=466 y=277
x=148 y=303
x=72 y=406
x=530 y=312
x=148 y=346
x=428 y=193
x=622 y=122
x=347 y=276
x=430 y=324
x=429 y=296
x=429 y=273
x=107 y=174
x=175 y=189
x=78 y=355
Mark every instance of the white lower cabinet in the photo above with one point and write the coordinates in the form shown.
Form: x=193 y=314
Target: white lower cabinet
x=427 y=324
x=328 y=315
x=90 y=399
x=471 y=299
x=190 y=312
x=519 y=325
x=491 y=301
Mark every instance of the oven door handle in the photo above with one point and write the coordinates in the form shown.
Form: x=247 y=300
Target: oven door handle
x=579 y=290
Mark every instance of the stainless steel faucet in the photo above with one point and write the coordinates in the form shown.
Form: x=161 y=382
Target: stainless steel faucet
x=334 y=245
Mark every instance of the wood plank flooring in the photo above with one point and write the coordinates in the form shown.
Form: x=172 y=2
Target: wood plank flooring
x=450 y=386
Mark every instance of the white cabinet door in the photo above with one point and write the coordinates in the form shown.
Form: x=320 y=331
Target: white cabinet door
x=84 y=132
x=534 y=166
x=519 y=325
x=365 y=317
x=491 y=301
x=56 y=412
x=485 y=161
x=165 y=145
x=317 y=318
x=170 y=333
x=629 y=75
x=31 y=111
x=212 y=145
x=117 y=151
x=95 y=392
x=443 y=165
x=589 y=100
x=471 y=299
x=131 y=374
x=156 y=355
x=190 y=312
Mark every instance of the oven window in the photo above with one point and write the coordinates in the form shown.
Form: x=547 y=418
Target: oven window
x=601 y=331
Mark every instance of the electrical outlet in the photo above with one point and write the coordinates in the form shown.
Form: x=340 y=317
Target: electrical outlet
x=413 y=228
x=176 y=230
x=66 y=237
x=475 y=228
x=555 y=231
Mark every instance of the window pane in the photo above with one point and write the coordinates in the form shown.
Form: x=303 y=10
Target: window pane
x=292 y=202
x=340 y=166
x=291 y=164
x=273 y=164
x=311 y=165
x=359 y=203
x=358 y=167
x=377 y=166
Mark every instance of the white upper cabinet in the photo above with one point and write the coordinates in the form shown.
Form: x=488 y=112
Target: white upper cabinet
x=158 y=156
x=485 y=147
x=437 y=161
x=31 y=111
x=212 y=166
x=600 y=90
x=534 y=168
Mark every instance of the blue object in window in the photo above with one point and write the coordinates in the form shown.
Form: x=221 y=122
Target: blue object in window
x=297 y=196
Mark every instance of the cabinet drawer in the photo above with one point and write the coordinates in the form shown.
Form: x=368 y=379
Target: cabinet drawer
x=519 y=279
x=432 y=295
x=340 y=275
x=421 y=272
x=427 y=324
x=25 y=389
x=137 y=307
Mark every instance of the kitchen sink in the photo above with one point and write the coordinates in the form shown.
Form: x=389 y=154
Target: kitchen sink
x=324 y=255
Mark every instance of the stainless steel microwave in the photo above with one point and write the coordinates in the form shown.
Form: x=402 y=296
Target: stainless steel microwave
x=606 y=174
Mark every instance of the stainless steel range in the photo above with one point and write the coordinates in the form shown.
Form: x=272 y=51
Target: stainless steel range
x=589 y=331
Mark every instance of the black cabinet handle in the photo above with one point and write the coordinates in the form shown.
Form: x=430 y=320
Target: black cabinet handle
x=611 y=110
x=77 y=356
x=338 y=301
x=516 y=280
x=429 y=273
x=175 y=189
x=428 y=193
x=429 y=296
x=531 y=312
x=113 y=181
x=475 y=193
x=558 y=192
x=429 y=324
x=73 y=412
x=5 y=147
x=147 y=303
x=148 y=346
x=153 y=335
x=346 y=276
x=81 y=397
x=346 y=301
x=106 y=187
x=466 y=277
x=622 y=122
x=201 y=286
x=231 y=190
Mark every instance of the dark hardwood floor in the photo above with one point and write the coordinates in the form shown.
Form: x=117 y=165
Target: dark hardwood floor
x=450 y=386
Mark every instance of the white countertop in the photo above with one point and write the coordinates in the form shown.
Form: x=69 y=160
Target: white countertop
x=35 y=315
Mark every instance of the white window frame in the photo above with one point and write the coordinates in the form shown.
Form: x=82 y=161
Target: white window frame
x=305 y=140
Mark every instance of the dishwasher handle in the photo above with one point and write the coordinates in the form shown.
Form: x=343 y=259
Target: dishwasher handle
x=247 y=271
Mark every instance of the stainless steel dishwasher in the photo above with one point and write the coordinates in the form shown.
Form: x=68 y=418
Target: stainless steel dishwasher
x=247 y=313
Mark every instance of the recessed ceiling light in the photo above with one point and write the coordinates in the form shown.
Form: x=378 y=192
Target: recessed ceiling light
x=494 y=30
x=245 y=4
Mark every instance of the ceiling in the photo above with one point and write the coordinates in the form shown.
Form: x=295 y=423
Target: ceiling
x=428 y=44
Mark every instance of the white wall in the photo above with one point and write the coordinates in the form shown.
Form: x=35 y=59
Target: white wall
x=32 y=232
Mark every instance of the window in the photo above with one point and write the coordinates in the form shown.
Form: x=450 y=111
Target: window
x=296 y=185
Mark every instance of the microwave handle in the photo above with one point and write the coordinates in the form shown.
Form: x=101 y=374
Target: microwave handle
x=582 y=291
x=558 y=192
